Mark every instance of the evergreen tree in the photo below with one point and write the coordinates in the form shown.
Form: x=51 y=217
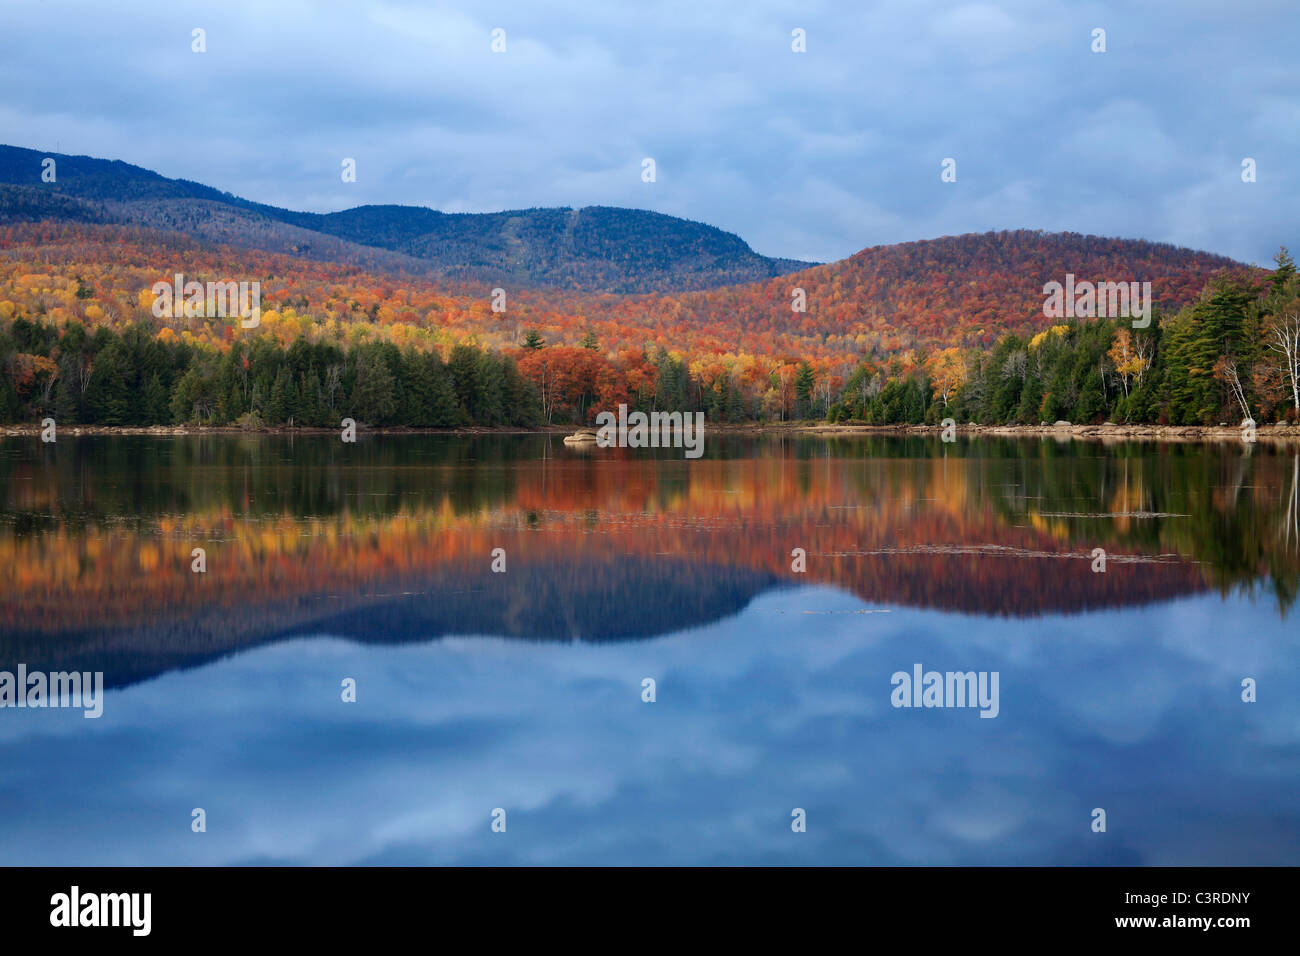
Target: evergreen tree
x=1200 y=335
x=1284 y=276
x=154 y=402
x=374 y=398
x=464 y=368
x=523 y=402
x=65 y=403
x=277 y=409
x=1091 y=404
x=803 y=387
x=108 y=395
x=489 y=397
x=312 y=400
x=735 y=405
x=670 y=384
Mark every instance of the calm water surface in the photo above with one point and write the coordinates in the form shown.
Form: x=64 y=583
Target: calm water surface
x=522 y=690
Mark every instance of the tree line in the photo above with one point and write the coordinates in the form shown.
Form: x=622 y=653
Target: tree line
x=141 y=378
x=136 y=379
x=1232 y=354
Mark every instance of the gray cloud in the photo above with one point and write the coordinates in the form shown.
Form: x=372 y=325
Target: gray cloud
x=812 y=155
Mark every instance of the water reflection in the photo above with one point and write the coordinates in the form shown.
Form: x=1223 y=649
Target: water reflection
x=522 y=690
x=784 y=705
x=391 y=539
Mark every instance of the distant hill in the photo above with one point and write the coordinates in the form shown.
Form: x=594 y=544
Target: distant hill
x=963 y=291
x=595 y=249
x=958 y=290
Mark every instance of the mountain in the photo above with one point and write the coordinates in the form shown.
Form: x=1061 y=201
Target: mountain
x=955 y=291
x=677 y=284
x=595 y=249
x=963 y=291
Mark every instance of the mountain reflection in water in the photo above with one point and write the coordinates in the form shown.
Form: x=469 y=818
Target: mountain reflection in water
x=390 y=539
x=523 y=690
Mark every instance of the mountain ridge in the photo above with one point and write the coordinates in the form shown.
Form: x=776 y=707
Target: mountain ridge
x=591 y=248
x=559 y=266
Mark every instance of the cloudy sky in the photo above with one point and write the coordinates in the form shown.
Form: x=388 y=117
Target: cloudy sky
x=811 y=155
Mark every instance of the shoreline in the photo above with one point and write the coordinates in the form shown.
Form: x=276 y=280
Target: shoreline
x=1105 y=432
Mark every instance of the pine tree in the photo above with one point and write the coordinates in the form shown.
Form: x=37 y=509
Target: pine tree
x=154 y=403
x=312 y=400
x=464 y=368
x=108 y=396
x=522 y=400
x=1219 y=325
x=65 y=403
x=1284 y=274
x=735 y=405
x=803 y=386
x=489 y=399
x=445 y=409
x=417 y=393
x=277 y=410
x=374 y=398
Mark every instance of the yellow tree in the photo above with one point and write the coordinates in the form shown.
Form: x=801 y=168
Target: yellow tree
x=1129 y=361
x=947 y=372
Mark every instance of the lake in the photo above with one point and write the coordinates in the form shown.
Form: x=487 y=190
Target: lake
x=498 y=606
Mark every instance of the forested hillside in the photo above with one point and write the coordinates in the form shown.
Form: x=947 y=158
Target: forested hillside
x=79 y=341
x=959 y=290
